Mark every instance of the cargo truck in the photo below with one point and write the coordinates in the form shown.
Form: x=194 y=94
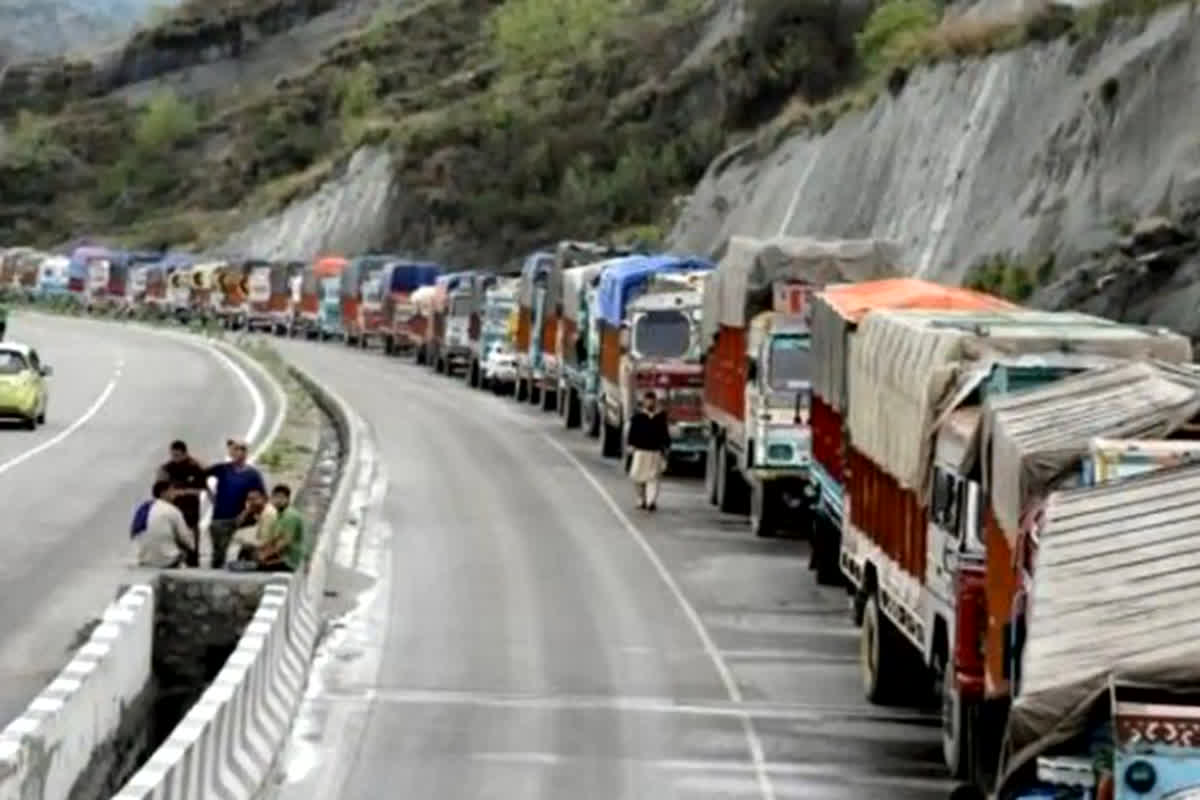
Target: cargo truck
x=531 y=313
x=420 y=325
x=361 y=297
x=233 y=292
x=918 y=525
x=499 y=304
x=834 y=314
x=576 y=344
x=268 y=298
x=757 y=370
x=648 y=308
x=1107 y=700
x=453 y=300
x=1032 y=442
x=402 y=279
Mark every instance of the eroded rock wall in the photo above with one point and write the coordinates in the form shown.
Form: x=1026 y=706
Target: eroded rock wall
x=1051 y=148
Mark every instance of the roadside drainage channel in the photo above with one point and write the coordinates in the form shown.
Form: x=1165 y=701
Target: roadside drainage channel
x=179 y=642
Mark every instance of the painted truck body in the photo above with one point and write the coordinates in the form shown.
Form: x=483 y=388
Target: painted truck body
x=1035 y=442
x=646 y=307
x=306 y=320
x=420 y=324
x=1110 y=677
x=499 y=303
x=202 y=294
x=758 y=365
x=547 y=381
x=52 y=276
x=834 y=315
x=232 y=294
x=531 y=307
x=269 y=297
x=453 y=301
x=402 y=279
x=361 y=298
x=577 y=347
x=921 y=508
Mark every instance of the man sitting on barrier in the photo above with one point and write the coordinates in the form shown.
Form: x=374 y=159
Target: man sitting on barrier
x=284 y=546
x=255 y=526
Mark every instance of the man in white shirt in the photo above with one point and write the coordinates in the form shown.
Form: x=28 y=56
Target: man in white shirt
x=167 y=540
x=256 y=525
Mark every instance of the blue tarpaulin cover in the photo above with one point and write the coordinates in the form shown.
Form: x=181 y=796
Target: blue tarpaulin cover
x=621 y=279
x=78 y=269
x=410 y=276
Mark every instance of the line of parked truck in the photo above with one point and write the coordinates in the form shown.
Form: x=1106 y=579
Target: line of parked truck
x=1009 y=495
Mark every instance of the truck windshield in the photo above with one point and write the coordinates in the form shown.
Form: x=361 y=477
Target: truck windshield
x=460 y=306
x=790 y=360
x=662 y=334
x=499 y=312
x=372 y=289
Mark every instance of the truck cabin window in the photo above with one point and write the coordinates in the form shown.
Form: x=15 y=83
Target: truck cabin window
x=790 y=361
x=662 y=334
x=372 y=290
x=947 y=500
x=460 y=306
x=499 y=313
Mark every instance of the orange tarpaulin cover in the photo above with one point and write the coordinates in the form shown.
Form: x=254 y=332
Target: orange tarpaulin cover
x=853 y=300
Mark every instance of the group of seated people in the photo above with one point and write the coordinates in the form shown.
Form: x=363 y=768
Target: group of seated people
x=248 y=531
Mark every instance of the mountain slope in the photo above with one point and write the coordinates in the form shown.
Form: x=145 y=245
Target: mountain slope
x=30 y=28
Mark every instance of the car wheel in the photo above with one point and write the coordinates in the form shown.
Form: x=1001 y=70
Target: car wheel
x=31 y=423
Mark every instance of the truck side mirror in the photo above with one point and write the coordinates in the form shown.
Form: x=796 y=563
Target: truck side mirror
x=751 y=369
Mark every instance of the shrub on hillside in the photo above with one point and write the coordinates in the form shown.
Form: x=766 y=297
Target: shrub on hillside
x=892 y=29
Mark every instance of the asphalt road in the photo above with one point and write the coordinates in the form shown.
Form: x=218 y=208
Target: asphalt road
x=522 y=632
x=118 y=396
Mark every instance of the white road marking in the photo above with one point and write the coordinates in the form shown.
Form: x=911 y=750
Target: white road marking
x=757 y=756
x=62 y=435
x=259 y=415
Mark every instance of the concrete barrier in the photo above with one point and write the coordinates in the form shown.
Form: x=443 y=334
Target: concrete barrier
x=228 y=743
x=67 y=736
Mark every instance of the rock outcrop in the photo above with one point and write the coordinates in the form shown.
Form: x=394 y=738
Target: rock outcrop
x=1055 y=149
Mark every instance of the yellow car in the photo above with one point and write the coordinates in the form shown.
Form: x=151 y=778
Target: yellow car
x=23 y=389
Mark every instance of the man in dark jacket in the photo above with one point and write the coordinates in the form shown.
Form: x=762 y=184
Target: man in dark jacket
x=650 y=441
x=188 y=478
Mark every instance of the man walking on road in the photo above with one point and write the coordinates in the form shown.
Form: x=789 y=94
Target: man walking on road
x=187 y=478
x=650 y=441
x=235 y=480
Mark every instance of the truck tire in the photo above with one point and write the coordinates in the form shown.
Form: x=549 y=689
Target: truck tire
x=879 y=654
x=572 y=419
x=550 y=400
x=610 y=441
x=389 y=346
x=956 y=722
x=762 y=510
x=731 y=488
x=522 y=391
x=473 y=375
x=440 y=367
x=535 y=394
x=826 y=546
x=590 y=419
x=711 y=464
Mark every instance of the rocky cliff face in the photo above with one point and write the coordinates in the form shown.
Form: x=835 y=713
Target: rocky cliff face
x=1055 y=149
x=42 y=28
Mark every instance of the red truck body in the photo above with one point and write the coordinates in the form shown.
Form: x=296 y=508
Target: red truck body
x=725 y=372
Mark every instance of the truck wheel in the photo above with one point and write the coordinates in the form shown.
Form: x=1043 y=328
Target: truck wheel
x=572 y=418
x=956 y=721
x=878 y=653
x=389 y=346
x=762 y=510
x=440 y=367
x=550 y=400
x=535 y=394
x=732 y=489
x=473 y=375
x=522 y=392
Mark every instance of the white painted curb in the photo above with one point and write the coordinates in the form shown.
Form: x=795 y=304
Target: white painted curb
x=44 y=751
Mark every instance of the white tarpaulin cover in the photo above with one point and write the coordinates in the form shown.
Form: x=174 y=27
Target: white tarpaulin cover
x=1115 y=596
x=742 y=284
x=906 y=365
x=1037 y=435
x=574 y=280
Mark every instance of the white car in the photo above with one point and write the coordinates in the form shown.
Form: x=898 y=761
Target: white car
x=500 y=370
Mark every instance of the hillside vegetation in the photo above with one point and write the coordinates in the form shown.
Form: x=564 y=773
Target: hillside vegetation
x=511 y=123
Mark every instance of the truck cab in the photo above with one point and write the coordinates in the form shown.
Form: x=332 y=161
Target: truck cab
x=661 y=352
x=499 y=303
x=329 y=305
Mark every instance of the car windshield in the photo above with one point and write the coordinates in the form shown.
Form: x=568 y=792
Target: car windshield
x=11 y=363
x=791 y=361
x=662 y=334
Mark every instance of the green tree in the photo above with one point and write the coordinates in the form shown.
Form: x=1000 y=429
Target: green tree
x=166 y=121
x=892 y=30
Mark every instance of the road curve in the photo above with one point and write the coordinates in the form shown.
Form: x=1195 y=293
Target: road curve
x=118 y=396
x=530 y=636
